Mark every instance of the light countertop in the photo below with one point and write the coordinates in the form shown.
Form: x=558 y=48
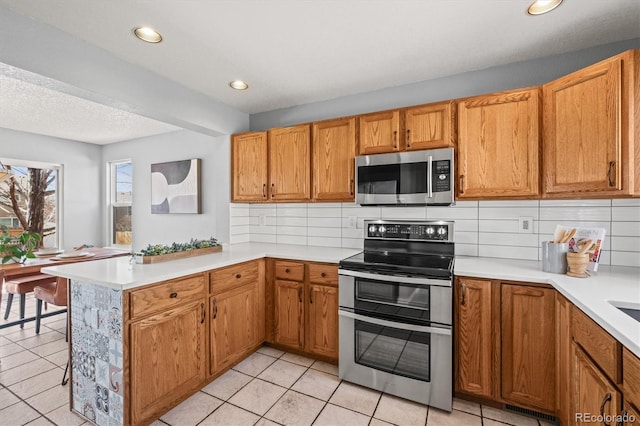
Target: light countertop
x=592 y=295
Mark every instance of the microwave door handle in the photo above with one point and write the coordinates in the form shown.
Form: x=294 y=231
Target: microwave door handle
x=430 y=177
x=393 y=324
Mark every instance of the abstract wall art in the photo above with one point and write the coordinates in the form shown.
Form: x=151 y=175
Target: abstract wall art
x=175 y=187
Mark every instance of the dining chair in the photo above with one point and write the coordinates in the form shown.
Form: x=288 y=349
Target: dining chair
x=54 y=293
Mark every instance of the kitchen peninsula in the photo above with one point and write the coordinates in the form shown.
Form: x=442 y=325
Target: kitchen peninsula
x=131 y=320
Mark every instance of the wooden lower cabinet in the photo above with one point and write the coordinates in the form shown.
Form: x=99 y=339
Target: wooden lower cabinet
x=593 y=393
x=289 y=313
x=167 y=359
x=322 y=336
x=563 y=360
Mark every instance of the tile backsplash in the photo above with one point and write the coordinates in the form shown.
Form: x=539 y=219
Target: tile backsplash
x=482 y=228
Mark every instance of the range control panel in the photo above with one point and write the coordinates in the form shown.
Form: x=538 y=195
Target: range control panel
x=436 y=230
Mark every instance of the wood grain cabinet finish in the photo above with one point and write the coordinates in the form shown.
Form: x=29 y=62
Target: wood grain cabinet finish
x=167 y=359
x=290 y=163
x=475 y=338
x=379 y=132
x=498 y=145
x=430 y=126
x=161 y=296
x=593 y=393
x=528 y=346
x=322 y=308
x=563 y=360
x=631 y=377
x=289 y=313
x=589 y=130
x=249 y=167
x=333 y=153
x=630 y=416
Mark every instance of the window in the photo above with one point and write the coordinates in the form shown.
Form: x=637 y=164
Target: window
x=30 y=198
x=120 y=196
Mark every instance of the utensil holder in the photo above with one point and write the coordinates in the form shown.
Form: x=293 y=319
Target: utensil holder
x=578 y=263
x=554 y=257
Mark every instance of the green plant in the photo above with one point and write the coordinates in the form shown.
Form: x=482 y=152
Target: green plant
x=193 y=244
x=18 y=248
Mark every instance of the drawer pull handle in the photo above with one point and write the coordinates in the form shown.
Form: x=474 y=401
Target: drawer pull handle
x=408 y=138
x=606 y=399
x=215 y=309
x=323 y=274
x=286 y=271
x=173 y=295
x=264 y=190
x=395 y=139
x=612 y=181
x=273 y=189
x=464 y=294
x=238 y=276
x=203 y=313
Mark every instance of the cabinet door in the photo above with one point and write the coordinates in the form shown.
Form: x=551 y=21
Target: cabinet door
x=322 y=328
x=563 y=360
x=528 y=346
x=334 y=150
x=474 y=338
x=379 y=132
x=168 y=359
x=233 y=325
x=290 y=163
x=586 y=144
x=430 y=126
x=289 y=313
x=498 y=143
x=593 y=394
x=249 y=167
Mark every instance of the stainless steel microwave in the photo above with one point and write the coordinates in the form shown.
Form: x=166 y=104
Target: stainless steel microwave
x=406 y=178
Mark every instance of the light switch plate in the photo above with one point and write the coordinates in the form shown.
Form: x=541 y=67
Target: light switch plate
x=525 y=225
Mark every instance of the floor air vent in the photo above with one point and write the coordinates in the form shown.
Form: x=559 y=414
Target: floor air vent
x=546 y=417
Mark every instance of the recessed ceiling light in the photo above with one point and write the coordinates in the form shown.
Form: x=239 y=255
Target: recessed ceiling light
x=147 y=34
x=239 y=85
x=538 y=7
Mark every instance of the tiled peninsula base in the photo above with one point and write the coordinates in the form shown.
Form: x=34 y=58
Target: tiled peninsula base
x=97 y=354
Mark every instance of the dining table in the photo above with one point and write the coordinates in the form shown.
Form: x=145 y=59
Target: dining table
x=33 y=267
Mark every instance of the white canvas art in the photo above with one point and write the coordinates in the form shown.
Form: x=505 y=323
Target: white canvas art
x=175 y=187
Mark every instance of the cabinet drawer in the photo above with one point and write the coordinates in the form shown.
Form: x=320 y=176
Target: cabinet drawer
x=600 y=345
x=163 y=296
x=323 y=274
x=232 y=276
x=631 y=377
x=289 y=270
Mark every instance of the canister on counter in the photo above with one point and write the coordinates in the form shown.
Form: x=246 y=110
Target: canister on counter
x=554 y=257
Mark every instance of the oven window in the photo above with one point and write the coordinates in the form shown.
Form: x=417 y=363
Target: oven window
x=405 y=178
x=392 y=293
x=396 y=351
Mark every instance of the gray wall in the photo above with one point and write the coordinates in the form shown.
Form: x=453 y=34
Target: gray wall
x=166 y=228
x=504 y=77
x=82 y=177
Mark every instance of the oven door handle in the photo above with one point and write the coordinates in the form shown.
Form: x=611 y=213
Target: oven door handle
x=401 y=326
x=395 y=278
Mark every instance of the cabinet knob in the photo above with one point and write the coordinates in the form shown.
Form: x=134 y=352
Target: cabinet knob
x=323 y=274
x=286 y=270
x=173 y=295
x=238 y=276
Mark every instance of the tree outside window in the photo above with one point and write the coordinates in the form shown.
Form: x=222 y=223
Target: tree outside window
x=120 y=202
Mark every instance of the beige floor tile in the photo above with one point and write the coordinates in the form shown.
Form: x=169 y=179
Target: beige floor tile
x=507 y=417
x=17 y=359
x=226 y=385
x=258 y=396
x=40 y=421
x=356 y=398
x=378 y=422
x=15 y=333
x=157 y=423
x=59 y=358
x=297 y=359
x=32 y=341
x=400 y=411
x=18 y=414
x=466 y=406
x=488 y=422
x=455 y=418
x=4 y=341
x=267 y=350
x=49 y=400
x=25 y=371
x=9 y=349
x=295 y=409
x=40 y=383
x=332 y=415
x=283 y=373
x=64 y=416
x=228 y=414
x=50 y=348
x=317 y=384
x=325 y=367
x=255 y=364
x=192 y=411
x=7 y=398
x=265 y=422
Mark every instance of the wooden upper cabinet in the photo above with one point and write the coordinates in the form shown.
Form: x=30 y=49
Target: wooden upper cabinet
x=528 y=346
x=589 y=130
x=334 y=150
x=249 y=167
x=379 y=132
x=290 y=163
x=430 y=126
x=498 y=144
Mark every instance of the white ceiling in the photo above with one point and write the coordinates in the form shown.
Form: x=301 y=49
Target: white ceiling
x=294 y=52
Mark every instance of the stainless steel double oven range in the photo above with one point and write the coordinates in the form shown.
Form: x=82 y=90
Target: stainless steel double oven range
x=396 y=311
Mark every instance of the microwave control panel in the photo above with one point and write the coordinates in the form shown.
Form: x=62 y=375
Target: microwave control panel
x=441 y=177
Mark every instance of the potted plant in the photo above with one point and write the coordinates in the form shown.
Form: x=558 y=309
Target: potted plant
x=17 y=248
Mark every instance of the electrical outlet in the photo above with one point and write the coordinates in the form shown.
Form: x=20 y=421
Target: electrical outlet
x=353 y=221
x=525 y=225
x=263 y=220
